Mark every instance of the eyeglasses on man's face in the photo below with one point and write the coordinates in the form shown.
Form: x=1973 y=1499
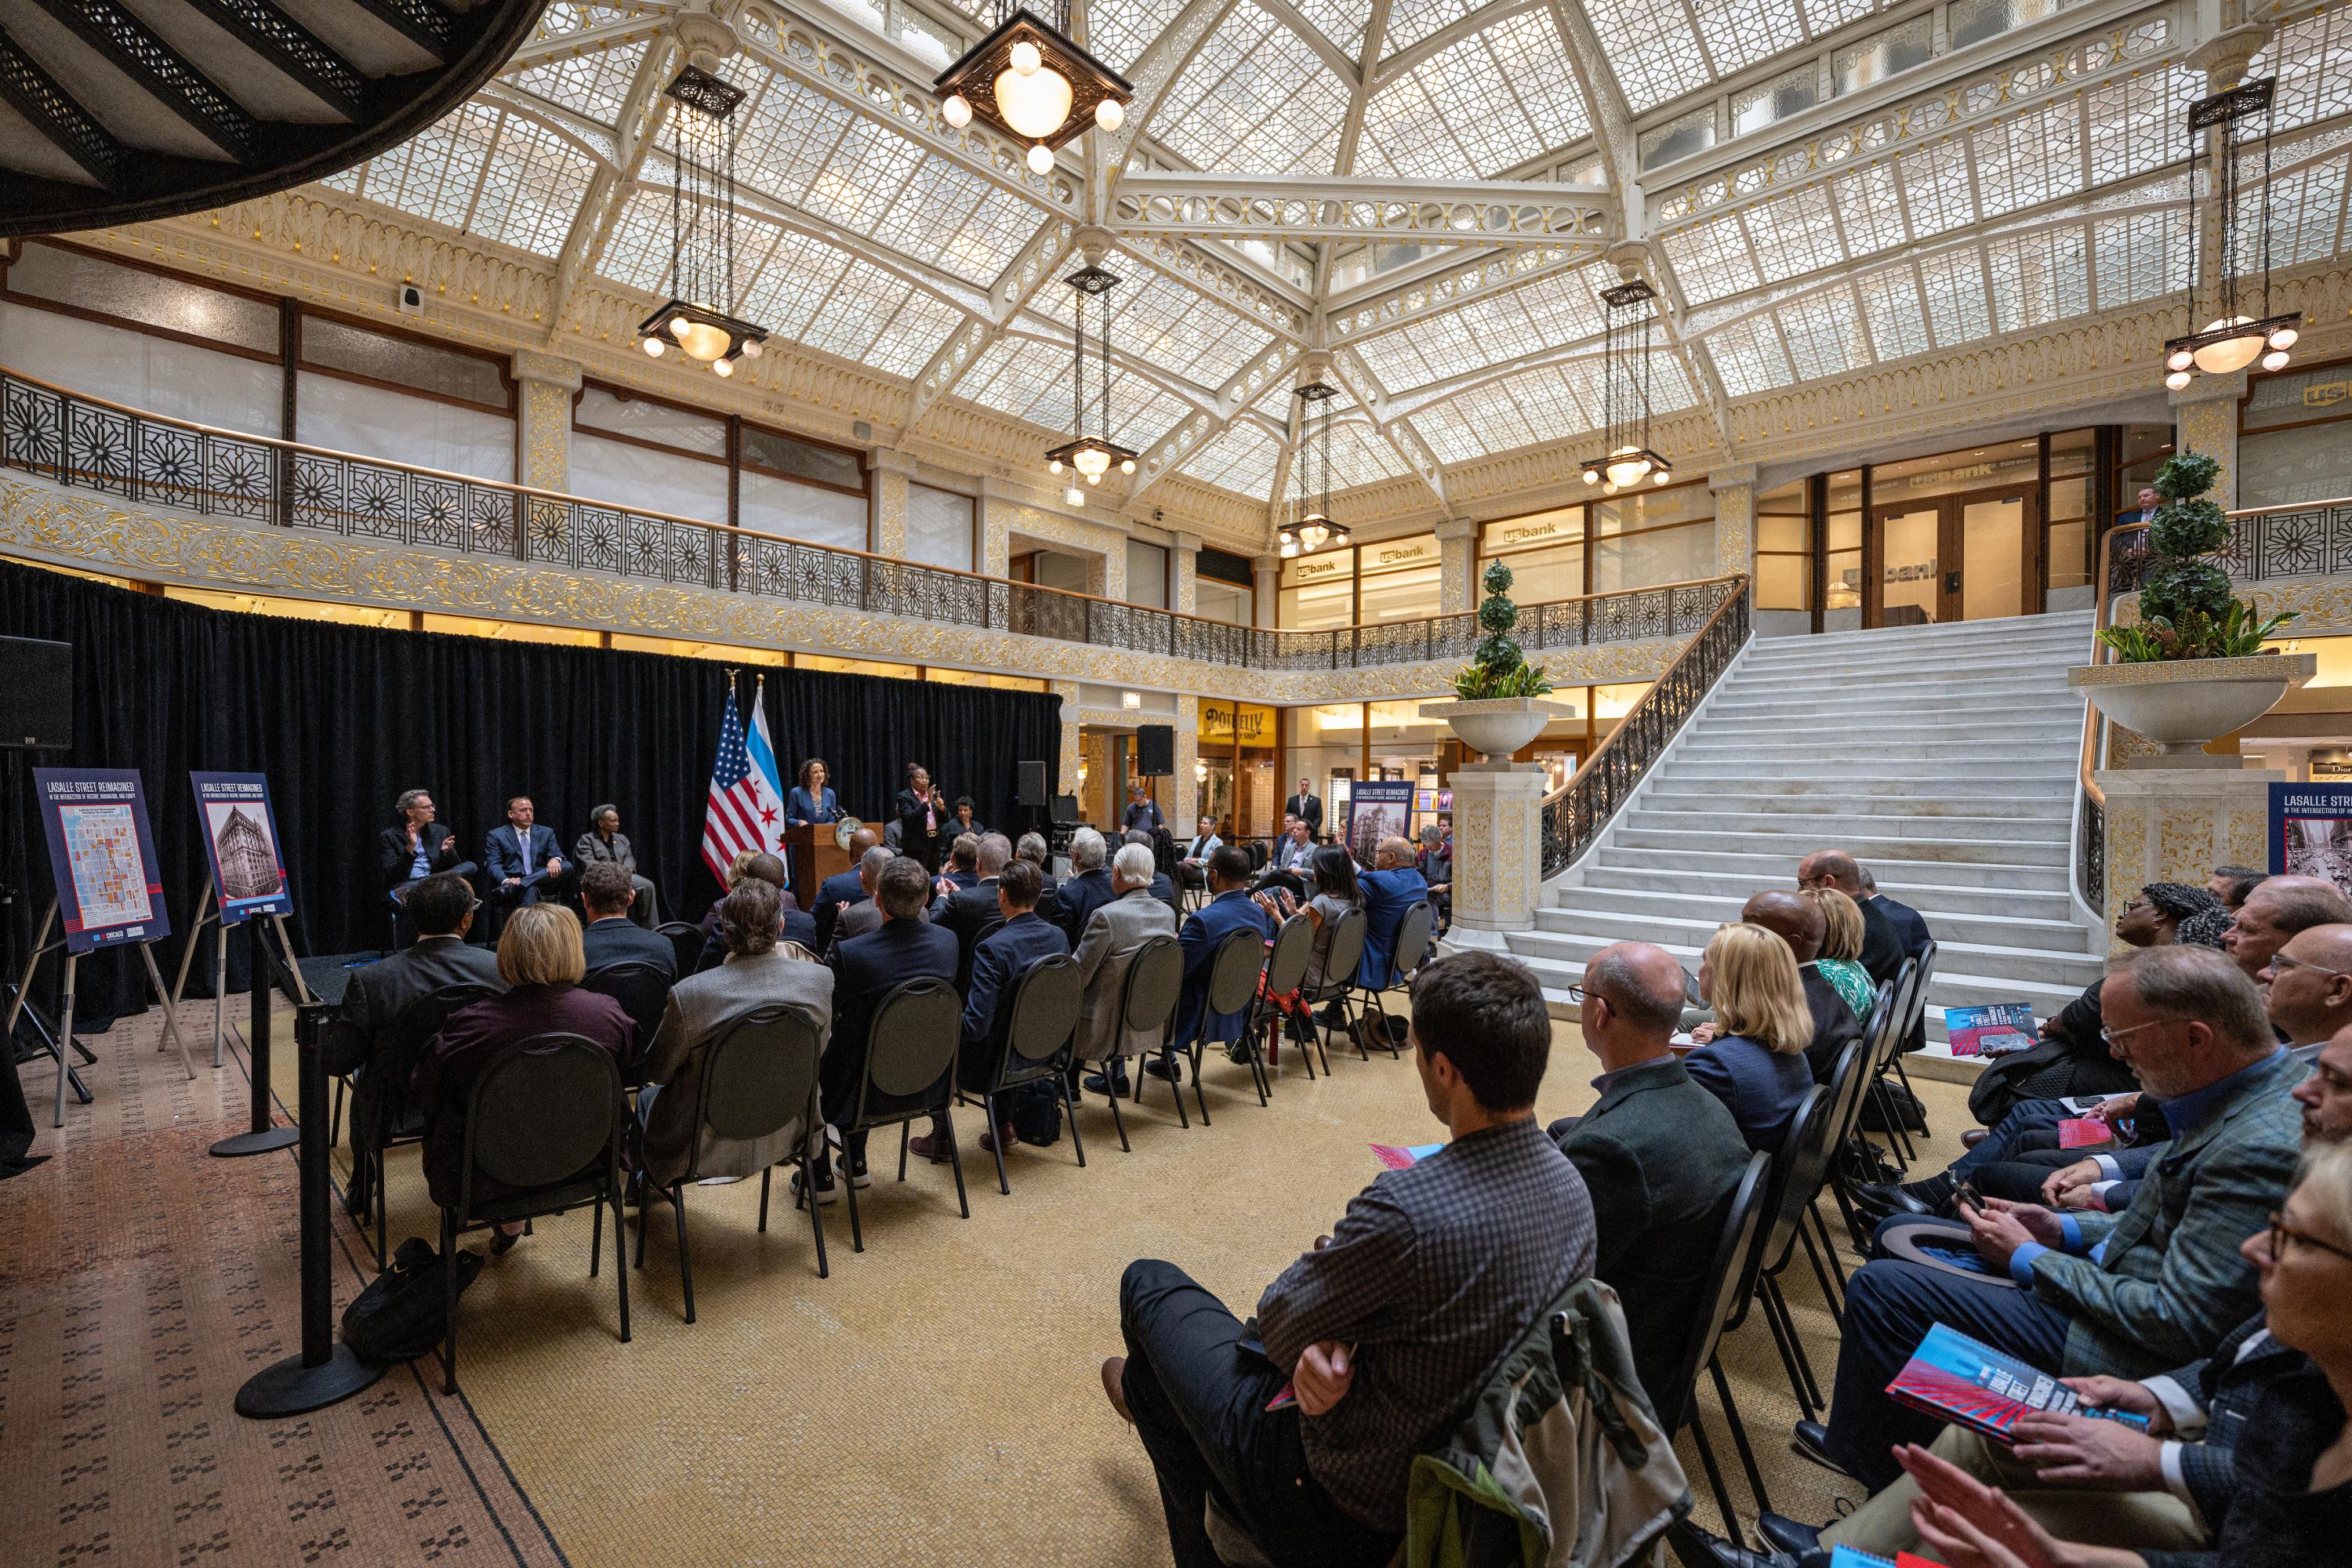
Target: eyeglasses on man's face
x=2281 y=962
x=2109 y=1037
x=2282 y=1232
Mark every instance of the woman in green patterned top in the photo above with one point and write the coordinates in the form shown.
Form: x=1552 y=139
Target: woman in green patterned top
x=1841 y=960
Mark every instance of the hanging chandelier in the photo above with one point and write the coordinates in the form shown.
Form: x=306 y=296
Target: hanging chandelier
x=1027 y=80
x=2231 y=340
x=1310 y=525
x=1090 y=454
x=698 y=318
x=1629 y=460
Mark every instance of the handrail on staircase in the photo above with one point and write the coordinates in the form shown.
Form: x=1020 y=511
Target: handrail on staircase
x=1574 y=815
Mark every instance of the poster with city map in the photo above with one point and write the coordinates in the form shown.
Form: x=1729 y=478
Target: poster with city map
x=101 y=856
x=241 y=845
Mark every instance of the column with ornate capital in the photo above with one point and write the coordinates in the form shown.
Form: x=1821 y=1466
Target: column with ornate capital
x=1457 y=566
x=1497 y=849
x=1735 y=518
x=1184 y=578
x=1268 y=570
x=544 y=388
x=2205 y=421
x=1182 y=806
x=886 y=529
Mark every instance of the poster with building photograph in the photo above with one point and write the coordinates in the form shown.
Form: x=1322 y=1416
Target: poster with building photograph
x=101 y=856
x=1378 y=809
x=2311 y=832
x=241 y=843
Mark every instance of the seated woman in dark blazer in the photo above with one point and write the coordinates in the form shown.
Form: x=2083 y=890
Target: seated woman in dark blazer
x=540 y=961
x=1752 y=1058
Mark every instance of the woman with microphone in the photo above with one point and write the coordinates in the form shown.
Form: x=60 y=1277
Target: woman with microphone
x=810 y=800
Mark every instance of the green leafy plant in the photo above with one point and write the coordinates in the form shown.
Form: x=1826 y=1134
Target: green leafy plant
x=2186 y=608
x=1497 y=666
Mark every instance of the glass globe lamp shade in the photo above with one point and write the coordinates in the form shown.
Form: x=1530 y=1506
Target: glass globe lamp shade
x=677 y=325
x=956 y=110
x=1609 y=488
x=1041 y=159
x=1591 y=476
x=2230 y=353
x=655 y=347
x=1025 y=58
x=754 y=348
x=2177 y=380
x=1091 y=462
x=1054 y=467
x=701 y=339
x=1109 y=115
x=2274 y=360
x=1126 y=465
x=2284 y=338
x=1313 y=535
x=1034 y=106
x=2178 y=359
x=723 y=368
x=1627 y=466
x=1661 y=475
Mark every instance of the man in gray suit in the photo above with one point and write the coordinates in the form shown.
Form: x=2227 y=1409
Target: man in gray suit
x=856 y=919
x=756 y=973
x=1106 y=948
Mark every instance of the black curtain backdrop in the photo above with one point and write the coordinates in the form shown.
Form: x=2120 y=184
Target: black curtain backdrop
x=342 y=719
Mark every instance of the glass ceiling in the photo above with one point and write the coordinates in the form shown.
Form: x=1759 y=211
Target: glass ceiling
x=1830 y=185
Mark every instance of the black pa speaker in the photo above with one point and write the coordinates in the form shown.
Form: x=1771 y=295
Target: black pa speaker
x=1155 y=750
x=37 y=695
x=1033 y=784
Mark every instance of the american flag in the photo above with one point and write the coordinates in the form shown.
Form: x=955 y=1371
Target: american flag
x=737 y=819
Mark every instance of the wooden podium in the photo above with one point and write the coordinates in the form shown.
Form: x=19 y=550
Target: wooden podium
x=812 y=854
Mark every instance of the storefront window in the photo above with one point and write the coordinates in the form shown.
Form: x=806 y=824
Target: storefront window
x=1648 y=536
x=2296 y=444
x=1318 y=592
x=1784 y=575
x=1545 y=552
x=1842 y=539
x=1398 y=579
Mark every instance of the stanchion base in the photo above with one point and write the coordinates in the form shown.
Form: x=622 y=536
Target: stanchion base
x=289 y=1388
x=246 y=1144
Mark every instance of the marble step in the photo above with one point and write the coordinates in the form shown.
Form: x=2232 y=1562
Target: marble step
x=1703 y=858
x=1730 y=888
x=1835 y=826
x=1723 y=780
x=1967 y=759
x=1855 y=768
x=2056 y=709
x=1612 y=916
x=1679 y=833
x=1829 y=799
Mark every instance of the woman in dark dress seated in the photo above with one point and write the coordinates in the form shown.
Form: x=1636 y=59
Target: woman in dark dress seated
x=540 y=960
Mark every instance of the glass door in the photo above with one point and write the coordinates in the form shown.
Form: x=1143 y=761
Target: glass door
x=1956 y=558
x=1911 y=592
x=1992 y=555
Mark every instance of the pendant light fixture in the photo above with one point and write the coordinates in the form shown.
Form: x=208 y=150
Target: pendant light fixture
x=699 y=319
x=1089 y=452
x=1310 y=525
x=2222 y=129
x=1027 y=80
x=1629 y=310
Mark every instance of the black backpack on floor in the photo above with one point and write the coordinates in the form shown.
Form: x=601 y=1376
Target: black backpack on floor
x=400 y=1316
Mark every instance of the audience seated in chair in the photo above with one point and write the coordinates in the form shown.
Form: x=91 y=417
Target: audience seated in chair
x=2275 y=911
x=1163 y=885
x=1840 y=960
x=1191 y=870
x=1382 y=1332
x=1434 y=861
x=864 y=970
x=1331 y=873
x=605 y=843
x=1391 y=886
x=540 y=962
x=1230 y=909
x=794 y=924
x=2232 y=884
x=758 y=972
x=522 y=860
x=1032 y=847
x=1018 y=939
x=1088 y=886
x=1891 y=932
x=607 y=889
x=841 y=889
x=864 y=916
x=1753 y=1056
x=962 y=870
x=2127 y=1295
x=414 y=848
x=1115 y=933
x=1799 y=921
x=971 y=910
x=1661 y=1156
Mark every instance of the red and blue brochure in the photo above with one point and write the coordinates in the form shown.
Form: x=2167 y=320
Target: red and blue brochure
x=1953 y=1378
x=1398 y=1157
x=1847 y=1557
x=2084 y=1132
x=1995 y=1029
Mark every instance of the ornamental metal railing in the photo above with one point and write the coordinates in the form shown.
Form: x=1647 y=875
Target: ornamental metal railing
x=1574 y=815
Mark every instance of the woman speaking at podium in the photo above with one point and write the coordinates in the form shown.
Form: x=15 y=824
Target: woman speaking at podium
x=809 y=800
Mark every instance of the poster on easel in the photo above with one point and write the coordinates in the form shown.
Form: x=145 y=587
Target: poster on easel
x=241 y=845
x=2311 y=832
x=102 y=857
x=1378 y=809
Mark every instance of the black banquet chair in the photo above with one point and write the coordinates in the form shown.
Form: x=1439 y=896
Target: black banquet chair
x=758 y=1077
x=1147 y=1006
x=1412 y=946
x=1046 y=1001
x=1235 y=970
x=686 y=941
x=383 y=1113
x=1677 y=1404
x=1285 y=966
x=544 y=1122
x=642 y=990
x=910 y=1058
x=1341 y=961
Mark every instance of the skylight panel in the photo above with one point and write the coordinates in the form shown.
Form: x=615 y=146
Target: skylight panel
x=934 y=218
x=1747 y=356
x=1411 y=21
x=1712 y=260
x=636 y=254
x=862 y=183
x=1141 y=411
x=789 y=291
x=2313 y=59
x=1794 y=233
x=1954 y=283
x=1166 y=324
x=532 y=188
x=2139 y=257
x=856 y=316
x=1826 y=15
x=2034 y=158
x=2038 y=279
x=1456 y=433
x=2135 y=122
x=1869 y=209
x=1936 y=187
x=1025 y=378
x=787 y=138
x=592 y=86
x=2305 y=206
x=1738 y=33
x=1360 y=457
x=1256 y=99
x=1118 y=31
x=1242 y=456
x=1482 y=105
x=564 y=17
x=433 y=175
x=1652 y=48
x=1890 y=305
x=1824 y=331
x=1341 y=21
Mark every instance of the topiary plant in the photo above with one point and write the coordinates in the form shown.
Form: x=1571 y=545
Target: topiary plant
x=2186 y=608
x=1497 y=666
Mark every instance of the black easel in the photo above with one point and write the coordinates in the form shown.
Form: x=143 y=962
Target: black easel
x=264 y=1134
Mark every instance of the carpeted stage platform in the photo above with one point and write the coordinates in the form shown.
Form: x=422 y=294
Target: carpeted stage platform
x=934 y=1401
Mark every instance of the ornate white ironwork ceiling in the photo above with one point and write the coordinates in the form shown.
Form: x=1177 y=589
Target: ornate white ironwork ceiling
x=1423 y=187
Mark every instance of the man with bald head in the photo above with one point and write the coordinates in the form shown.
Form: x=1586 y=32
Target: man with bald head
x=1661 y=1155
x=1393 y=886
x=842 y=889
x=1882 y=947
x=1800 y=923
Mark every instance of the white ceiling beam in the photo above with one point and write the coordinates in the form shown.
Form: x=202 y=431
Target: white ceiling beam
x=1153 y=73
x=643 y=111
x=1166 y=455
x=1340 y=65
x=1008 y=297
x=1313 y=207
x=1404 y=441
x=587 y=41
x=1446 y=37
x=1351 y=129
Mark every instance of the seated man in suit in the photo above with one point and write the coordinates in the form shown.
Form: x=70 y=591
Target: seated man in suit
x=866 y=916
x=1292 y=849
x=415 y=847
x=1163 y=885
x=520 y=856
x=963 y=866
x=1088 y=888
x=972 y=912
x=866 y=969
x=1799 y=921
x=1018 y=939
x=441 y=907
x=610 y=937
x=1114 y=933
x=841 y=890
x=1033 y=847
x=794 y=923
x=1204 y=844
x=1391 y=886
x=1434 y=861
x=757 y=973
x=1230 y=909
x=2122 y=1295
x=1660 y=1155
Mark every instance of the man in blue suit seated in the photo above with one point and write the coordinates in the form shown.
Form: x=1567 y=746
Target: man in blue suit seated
x=1002 y=957
x=520 y=857
x=842 y=889
x=809 y=800
x=962 y=874
x=866 y=969
x=1089 y=887
x=1230 y=909
x=1393 y=886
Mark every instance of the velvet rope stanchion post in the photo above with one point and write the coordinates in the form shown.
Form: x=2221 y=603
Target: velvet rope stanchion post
x=326 y=1371
x=264 y=1135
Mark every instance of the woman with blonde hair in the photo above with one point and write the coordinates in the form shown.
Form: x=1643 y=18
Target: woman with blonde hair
x=1756 y=1062
x=1840 y=960
x=540 y=960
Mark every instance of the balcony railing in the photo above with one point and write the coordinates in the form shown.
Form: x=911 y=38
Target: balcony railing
x=87 y=443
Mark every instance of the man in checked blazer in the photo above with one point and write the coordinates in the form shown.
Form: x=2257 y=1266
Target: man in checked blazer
x=2081 y=1294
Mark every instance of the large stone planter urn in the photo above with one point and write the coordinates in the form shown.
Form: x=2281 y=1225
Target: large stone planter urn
x=2181 y=704
x=1497 y=727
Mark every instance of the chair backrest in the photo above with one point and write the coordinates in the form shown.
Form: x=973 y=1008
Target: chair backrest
x=1233 y=971
x=686 y=940
x=1046 y=1002
x=1907 y=985
x=1346 y=954
x=757 y=1075
x=1285 y=964
x=1155 y=978
x=911 y=1044
x=640 y=988
x=1719 y=1297
x=1803 y=1163
x=1875 y=1029
x=541 y=1112
x=1919 y=1006
x=412 y=1035
x=1411 y=940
